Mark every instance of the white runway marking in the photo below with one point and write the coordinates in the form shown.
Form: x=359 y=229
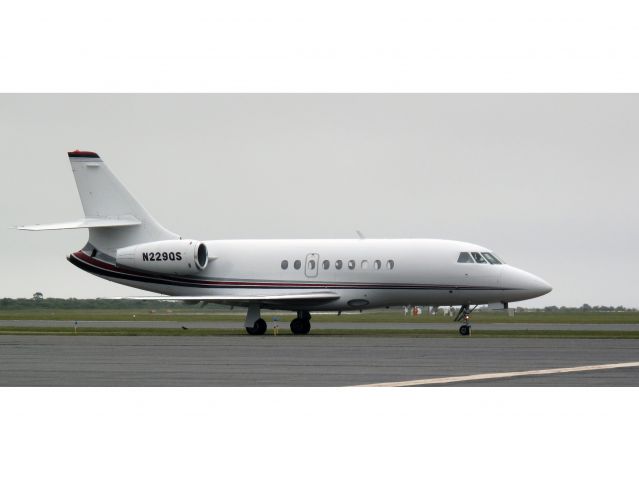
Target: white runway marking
x=490 y=376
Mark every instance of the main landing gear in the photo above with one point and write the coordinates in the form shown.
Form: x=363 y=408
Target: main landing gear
x=302 y=324
x=254 y=324
x=464 y=316
x=258 y=328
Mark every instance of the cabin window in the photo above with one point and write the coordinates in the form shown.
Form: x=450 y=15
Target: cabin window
x=326 y=264
x=478 y=258
x=351 y=264
x=338 y=264
x=311 y=264
x=390 y=264
x=464 y=257
x=377 y=264
x=297 y=264
x=364 y=264
x=491 y=258
x=284 y=264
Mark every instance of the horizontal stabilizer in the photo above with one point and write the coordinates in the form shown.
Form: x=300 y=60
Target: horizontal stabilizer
x=124 y=221
x=279 y=299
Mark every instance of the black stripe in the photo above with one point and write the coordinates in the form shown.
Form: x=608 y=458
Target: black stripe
x=78 y=154
x=110 y=273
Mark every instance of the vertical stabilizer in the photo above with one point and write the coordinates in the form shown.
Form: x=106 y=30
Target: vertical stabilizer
x=104 y=197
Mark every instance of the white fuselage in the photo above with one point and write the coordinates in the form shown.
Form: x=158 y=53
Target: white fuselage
x=374 y=273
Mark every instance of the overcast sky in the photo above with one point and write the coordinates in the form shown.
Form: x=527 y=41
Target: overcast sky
x=547 y=181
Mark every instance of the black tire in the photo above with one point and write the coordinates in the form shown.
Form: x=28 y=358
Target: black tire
x=300 y=327
x=258 y=328
x=306 y=327
x=464 y=330
x=296 y=326
x=261 y=326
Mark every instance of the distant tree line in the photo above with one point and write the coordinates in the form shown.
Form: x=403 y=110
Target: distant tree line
x=38 y=302
x=587 y=308
x=584 y=308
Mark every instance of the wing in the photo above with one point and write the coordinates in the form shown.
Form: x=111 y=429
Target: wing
x=281 y=300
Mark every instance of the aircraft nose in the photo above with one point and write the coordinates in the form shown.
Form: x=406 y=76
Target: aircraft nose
x=526 y=283
x=542 y=286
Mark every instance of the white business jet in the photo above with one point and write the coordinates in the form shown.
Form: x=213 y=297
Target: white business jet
x=128 y=246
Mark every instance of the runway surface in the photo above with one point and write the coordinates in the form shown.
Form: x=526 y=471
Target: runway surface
x=318 y=326
x=302 y=361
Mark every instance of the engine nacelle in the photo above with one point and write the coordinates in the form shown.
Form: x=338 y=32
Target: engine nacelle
x=166 y=256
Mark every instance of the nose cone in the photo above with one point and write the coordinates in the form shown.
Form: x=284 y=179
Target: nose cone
x=522 y=285
x=542 y=287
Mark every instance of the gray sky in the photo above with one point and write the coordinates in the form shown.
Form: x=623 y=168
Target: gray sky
x=547 y=181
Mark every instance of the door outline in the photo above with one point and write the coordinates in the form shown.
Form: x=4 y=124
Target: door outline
x=310 y=270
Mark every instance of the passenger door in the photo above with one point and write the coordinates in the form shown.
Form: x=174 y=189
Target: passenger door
x=312 y=264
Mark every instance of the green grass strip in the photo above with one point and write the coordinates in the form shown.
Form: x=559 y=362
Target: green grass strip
x=203 y=332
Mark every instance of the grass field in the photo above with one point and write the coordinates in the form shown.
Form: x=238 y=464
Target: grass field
x=366 y=317
x=203 y=332
x=481 y=318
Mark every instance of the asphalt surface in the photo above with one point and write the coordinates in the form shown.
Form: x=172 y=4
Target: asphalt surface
x=43 y=360
x=452 y=326
x=627 y=377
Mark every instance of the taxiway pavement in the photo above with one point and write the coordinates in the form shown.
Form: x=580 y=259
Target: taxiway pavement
x=48 y=360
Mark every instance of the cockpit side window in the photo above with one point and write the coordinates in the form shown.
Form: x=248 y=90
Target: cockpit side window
x=464 y=257
x=491 y=258
x=499 y=259
x=478 y=258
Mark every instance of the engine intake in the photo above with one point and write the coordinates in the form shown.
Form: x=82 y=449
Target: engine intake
x=166 y=256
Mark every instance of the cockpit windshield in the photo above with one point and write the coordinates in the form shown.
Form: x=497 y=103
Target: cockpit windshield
x=491 y=258
x=476 y=257
x=464 y=257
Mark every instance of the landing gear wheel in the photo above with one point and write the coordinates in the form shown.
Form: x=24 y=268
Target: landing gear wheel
x=300 y=326
x=258 y=328
x=306 y=326
x=464 y=330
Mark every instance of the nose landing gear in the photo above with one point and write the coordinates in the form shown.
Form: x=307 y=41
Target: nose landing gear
x=464 y=330
x=464 y=317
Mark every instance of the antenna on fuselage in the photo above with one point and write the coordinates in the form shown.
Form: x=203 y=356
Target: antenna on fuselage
x=360 y=235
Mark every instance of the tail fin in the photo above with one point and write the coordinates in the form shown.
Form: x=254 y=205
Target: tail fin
x=114 y=218
x=103 y=196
